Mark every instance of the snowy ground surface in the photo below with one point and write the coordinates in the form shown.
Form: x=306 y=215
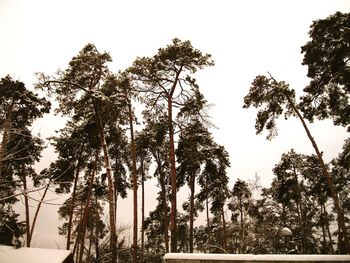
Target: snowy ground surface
x=264 y=258
x=32 y=255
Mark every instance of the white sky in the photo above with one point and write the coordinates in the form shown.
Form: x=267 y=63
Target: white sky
x=245 y=38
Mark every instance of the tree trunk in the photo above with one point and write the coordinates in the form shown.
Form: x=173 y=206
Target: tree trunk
x=37 y=210
x=134 y=179
x=173 y=243
x=192 y=186
x=142 y=211
x=71 y=212
x=165 y=206
x=300 y=210
x=224 y=228
x=26 y=204
x=328 y=230
x=207 y=210
x=241 y=245
x=90 y=246
x=97 y=247
x=87 y=210
x=328 y=177
x=108 y=168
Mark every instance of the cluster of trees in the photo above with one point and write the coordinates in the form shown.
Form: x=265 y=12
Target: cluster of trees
x=104 y=150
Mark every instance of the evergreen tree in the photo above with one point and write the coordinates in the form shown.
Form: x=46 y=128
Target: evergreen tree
x=77 y=90
x=327 y=57
x=241 y=195
x=19 y=150
x=165 y=79
x=273 y=98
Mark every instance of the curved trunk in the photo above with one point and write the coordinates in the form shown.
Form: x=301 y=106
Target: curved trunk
x=328 y=177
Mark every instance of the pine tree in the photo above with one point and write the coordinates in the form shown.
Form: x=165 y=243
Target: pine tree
x=165 y=80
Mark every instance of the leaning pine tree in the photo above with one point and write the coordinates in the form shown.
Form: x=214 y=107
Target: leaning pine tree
x=273 y=98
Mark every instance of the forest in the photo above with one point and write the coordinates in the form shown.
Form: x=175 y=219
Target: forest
x=151 y=121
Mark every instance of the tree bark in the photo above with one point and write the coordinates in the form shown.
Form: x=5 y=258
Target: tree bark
x=173 y=243
x=165 y=206
x=97 y=246
x=142 y=211
x=224 y=228
x=192 y=186
x=37 y=211
x=300 y=210
x=108 y=168
x=26 y=205
x=323 y=230
x=134 y=179
x=328 y=177
x=328 y=230
x=207 y=210
x=87 y=210
x=69 y=227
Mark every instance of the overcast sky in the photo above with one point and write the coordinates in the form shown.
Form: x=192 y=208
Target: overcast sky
x=245 y=38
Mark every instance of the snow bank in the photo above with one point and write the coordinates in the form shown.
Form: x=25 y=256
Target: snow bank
x=32 y=255
x=265 y=258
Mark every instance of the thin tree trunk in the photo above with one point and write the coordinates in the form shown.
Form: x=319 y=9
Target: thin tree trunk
x=192 y=186
x=323 y=230
x=340 y=213
x=37 y=211
x=207 y=210
x=173 y=242
x=108 y=168
x=134 y=179
x=165 y=206
x=71 y=212
x=116 y=214
x=76 y=247
x=299 y=210
x=142 y=211
x=26 y=204
x=328 y=230
x=87 y=209
x=224 y=228
x=97 y=248
x=241 y=226
x=77 y=239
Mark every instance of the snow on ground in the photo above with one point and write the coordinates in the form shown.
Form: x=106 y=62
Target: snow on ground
x=32 y=255
x=265 y=258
